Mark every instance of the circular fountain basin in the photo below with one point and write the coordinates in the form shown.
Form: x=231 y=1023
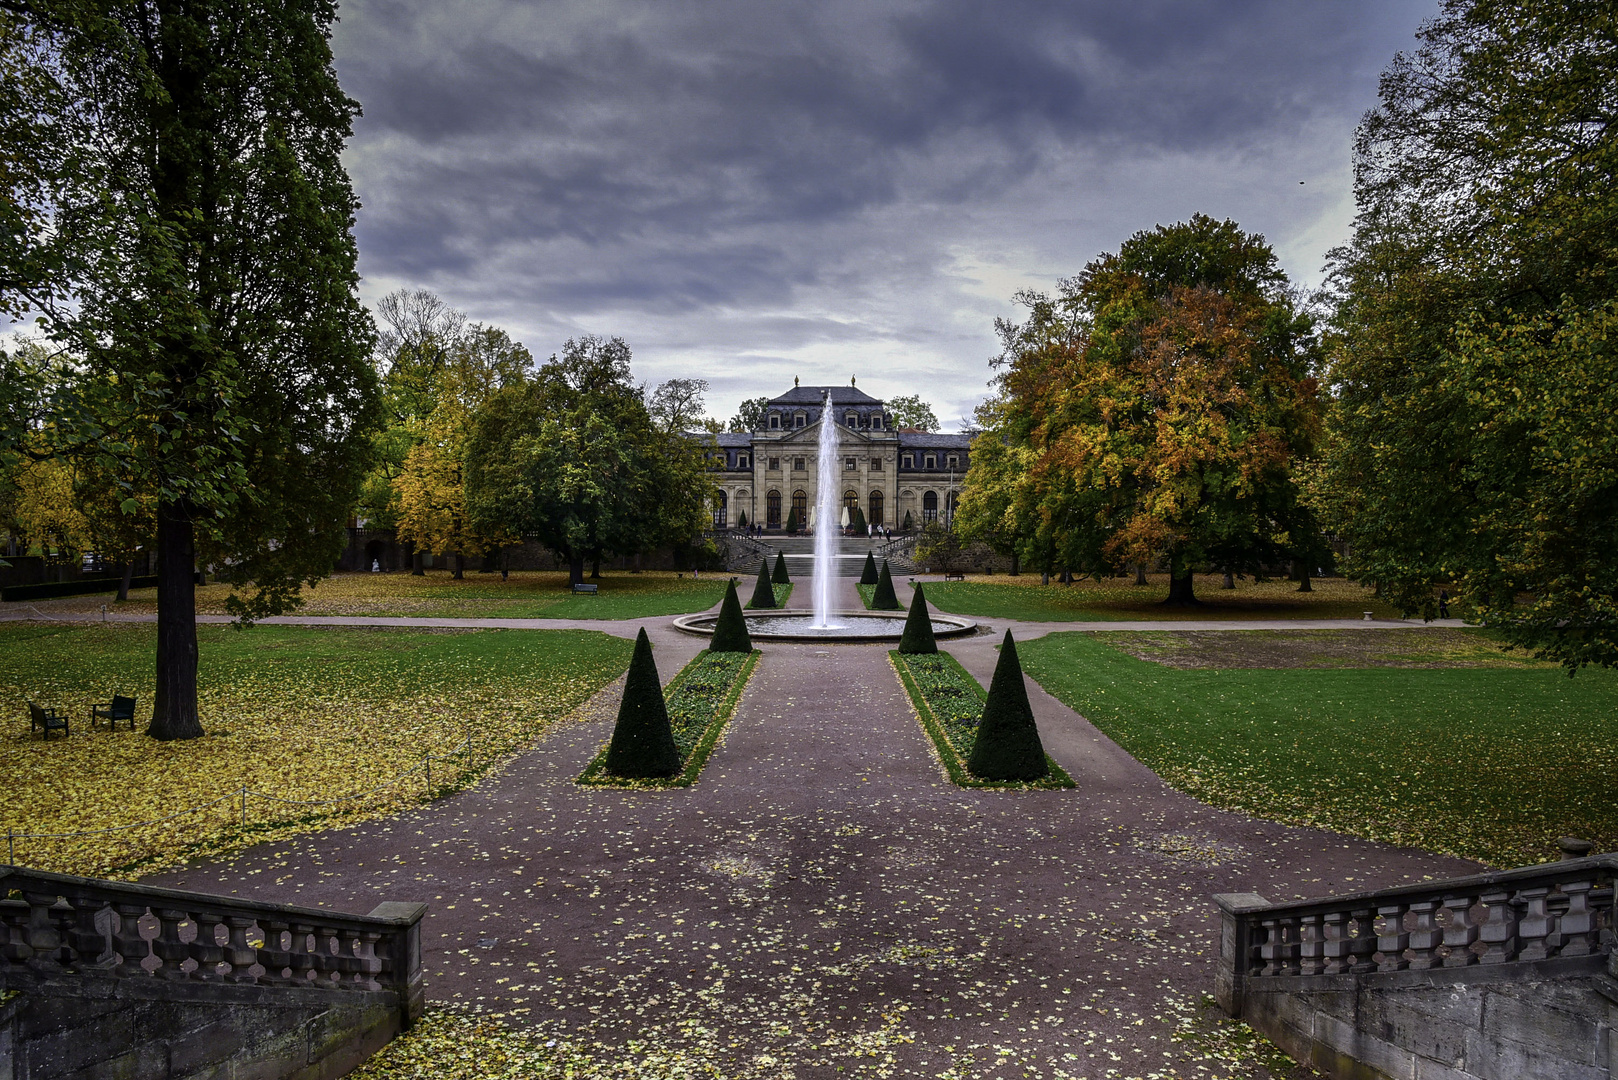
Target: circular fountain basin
x=849 y=626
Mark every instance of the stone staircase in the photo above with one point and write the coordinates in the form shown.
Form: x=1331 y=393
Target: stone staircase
x=800 y=553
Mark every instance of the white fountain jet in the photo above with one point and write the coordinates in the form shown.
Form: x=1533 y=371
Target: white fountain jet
x=826 y=520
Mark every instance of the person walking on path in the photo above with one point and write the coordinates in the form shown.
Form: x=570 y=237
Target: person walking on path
x=1443 y=603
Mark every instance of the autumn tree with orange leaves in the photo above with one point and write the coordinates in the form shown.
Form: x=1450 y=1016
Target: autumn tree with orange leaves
x=1157 y=409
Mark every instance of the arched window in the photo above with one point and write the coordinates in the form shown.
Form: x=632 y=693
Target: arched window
x=929 y=506
x=874 y=514
x=800 y=504
x=721 y=504
x=851 y=499
x=772 y=510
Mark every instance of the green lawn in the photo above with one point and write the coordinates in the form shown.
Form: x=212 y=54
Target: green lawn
x=293 y=712
x=1024 y=598
x=524 y=595
x=1488 y=763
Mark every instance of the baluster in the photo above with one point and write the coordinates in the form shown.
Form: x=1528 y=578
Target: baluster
x=87 y=940
x=239 y=951
x=1392 y=941
x=1289 y=946
x=1336 y=945
x=127 y=941
x=1269 y=948
x=1460 y=932
x=1534 y=926
x=1311 y=945
x=1256 y=938
x=43 y=937
x=349 y=964
x=370 y=965
x=1577 y=926
x=329 y=952
x=1362 y=946
x=303 y=960
x=1498 y=931
x=1426 y=936
x=205 y=947
x=14 y=931
x=275 y=955
x=168 y=947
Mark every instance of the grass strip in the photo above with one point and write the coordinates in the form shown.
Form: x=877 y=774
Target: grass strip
x=948 y=702
x=866 y=592
x=701 y=699
x=1490 y=764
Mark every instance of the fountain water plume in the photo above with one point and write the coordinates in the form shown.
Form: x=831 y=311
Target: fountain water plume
x=826 y=519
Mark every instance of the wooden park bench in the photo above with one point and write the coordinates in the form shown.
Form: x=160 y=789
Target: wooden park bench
x=119 y=709
x=46 y=721
x=954 y=575
x=584 y=588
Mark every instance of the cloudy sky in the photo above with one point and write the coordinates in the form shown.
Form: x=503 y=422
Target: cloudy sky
x=752 y=190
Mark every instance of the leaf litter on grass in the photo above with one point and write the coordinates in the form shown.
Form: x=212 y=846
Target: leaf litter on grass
x=299 y=715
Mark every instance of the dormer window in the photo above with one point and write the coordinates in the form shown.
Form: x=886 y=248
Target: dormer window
x=775 y=421
x=851 y=420
x=744 y=461
x=953 y=461
x=907 y=461
x=799 y=420
x=932 y=461
x=876 y=421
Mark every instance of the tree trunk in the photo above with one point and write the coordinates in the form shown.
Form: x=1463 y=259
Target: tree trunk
x=1180 y=594
x=174 y=706
x=416 y=568
x=1300 y=571
x=1140 y=574
x=123 y=582
x=1230 y=581
x=595 y=565
x=460 y=567
x=1015 y=570
x=575 y=568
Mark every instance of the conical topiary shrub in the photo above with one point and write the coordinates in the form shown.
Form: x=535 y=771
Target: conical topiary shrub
x=918 y=635
x=868 y=573
x=1007 y=746
x=642 y=742
x=730 y=632
x=763 y=592
x=741 y=520
x=909 y=522
x=883 y=598
x=780 y=575
x=793 y=524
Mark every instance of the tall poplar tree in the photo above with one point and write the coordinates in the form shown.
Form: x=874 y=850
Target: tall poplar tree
x=203 y=277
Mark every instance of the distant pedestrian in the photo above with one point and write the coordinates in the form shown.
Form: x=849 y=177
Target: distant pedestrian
x=1443 y=603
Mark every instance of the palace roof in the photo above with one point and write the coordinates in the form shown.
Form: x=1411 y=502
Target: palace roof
x=816 y=395
x=946 y=440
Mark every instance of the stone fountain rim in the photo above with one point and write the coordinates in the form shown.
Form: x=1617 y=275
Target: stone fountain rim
x=958 y=625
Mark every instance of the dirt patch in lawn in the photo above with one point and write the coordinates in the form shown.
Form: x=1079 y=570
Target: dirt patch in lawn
x=1436 y=647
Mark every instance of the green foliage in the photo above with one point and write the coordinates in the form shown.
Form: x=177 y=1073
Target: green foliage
x=763 y=592
x=573 y=457
x=700 y=700
x=751 y=416
x=949 y=704
x=868 y=574
x=1007 y=746
x=884 y=599
x=856 y=520
x=909 y=411
x=918 y=632
x=642 y=741
x=1471 y=443
x=730 y=631
x=792 y=523
x=780 y=575
x=909 y=523
x=1156 y=408
x=1367 y=752
x=741 y=519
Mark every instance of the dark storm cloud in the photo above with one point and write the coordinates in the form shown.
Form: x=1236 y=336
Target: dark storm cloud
x=653 y=163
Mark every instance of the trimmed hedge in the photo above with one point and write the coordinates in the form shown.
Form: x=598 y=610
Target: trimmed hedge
x=763 y=593
x=917 y=638
x=1007 y=746
x=780 y=576
x=868 y=575
x=884 y=599
x=730 y=632
x=949 y=704
x=642 y=743
x=701 y=700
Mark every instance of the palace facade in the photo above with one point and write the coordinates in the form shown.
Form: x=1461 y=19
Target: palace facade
x=887 y=473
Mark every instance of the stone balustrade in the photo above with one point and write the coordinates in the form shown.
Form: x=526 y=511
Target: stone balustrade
x=56 y=927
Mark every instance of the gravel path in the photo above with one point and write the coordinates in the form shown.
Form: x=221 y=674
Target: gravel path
x=823 y=902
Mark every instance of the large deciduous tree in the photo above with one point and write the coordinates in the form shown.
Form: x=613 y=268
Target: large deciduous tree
x=909 y=411
x=751 y=415
x=202 y=274
x=1155 y=409
x=574 y=458
x=1472 y=440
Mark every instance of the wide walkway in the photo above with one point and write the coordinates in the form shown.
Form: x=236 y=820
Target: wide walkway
x=823 y=903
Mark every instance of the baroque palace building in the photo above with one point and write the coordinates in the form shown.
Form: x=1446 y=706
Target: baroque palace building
x=886 y=472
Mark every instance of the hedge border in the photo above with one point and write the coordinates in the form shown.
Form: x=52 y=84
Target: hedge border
x=954 y=768
x=595 y=774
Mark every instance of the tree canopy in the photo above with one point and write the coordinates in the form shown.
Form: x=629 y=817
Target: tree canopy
x=574 y=457
x=1471 y=443
x=909 y=411
x=750 y=416
x=1154 y=409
